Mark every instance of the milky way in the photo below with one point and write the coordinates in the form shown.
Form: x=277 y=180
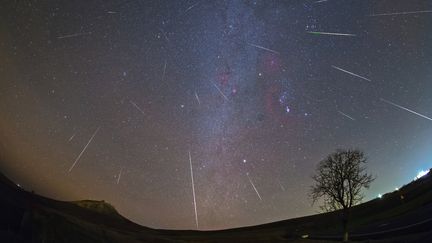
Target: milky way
x=123 y=101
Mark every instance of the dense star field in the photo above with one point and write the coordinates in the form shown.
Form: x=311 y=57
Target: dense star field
x=211 y=114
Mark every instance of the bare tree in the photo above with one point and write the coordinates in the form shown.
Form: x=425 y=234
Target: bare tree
x=339 y=181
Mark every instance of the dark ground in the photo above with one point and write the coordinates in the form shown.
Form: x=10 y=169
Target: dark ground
x=400 y=216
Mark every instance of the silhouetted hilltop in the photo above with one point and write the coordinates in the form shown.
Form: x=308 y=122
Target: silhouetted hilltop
x=101 y=207
x=28 y=217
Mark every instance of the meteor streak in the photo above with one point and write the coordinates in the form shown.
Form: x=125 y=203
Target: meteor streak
x=281 y=186
x=345 y=115
x=193 y=190
x=137 y=107
x=350 y=73
x=404 y=108
x=401 y=13
x=70 y=139
x=84 y=149
x=191 y=7
x=73 y=35
x=118 y=178
x=220 y=91
x=197 y=98
x=329 y=33
x=264 y=48
x=164 y=71
x=247 y=174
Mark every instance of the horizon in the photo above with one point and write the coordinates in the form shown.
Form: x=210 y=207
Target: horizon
x=379 y=196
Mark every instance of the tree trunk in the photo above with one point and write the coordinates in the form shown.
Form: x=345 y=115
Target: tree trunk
x=345 y=226
x=345 y=236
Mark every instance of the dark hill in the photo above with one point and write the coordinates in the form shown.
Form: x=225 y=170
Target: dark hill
x=101 y=207
x=404 y=215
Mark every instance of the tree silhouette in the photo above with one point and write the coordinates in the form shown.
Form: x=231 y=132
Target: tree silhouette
x=339 y=181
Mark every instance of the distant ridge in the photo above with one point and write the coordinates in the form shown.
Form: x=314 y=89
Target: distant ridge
x=98 y=206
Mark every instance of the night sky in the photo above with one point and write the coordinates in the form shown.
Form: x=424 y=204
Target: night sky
x=106 y=100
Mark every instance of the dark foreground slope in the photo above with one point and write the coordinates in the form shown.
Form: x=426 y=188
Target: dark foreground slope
x=400 y=216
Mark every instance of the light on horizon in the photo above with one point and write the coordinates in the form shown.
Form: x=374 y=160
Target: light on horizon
x=421 y=174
